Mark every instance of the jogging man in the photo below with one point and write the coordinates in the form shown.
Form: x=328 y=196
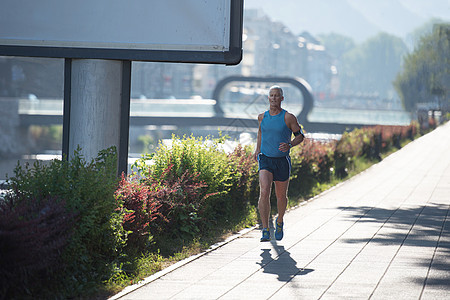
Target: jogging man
x=274 y=141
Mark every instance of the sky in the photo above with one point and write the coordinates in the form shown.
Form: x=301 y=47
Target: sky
x=359 y=19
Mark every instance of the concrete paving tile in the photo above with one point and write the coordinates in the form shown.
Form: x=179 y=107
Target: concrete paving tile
x=406 y=283
x=349 y=291
x=420 y=257
x=231 y=275
x=332 y=261
x=424 y=238
x=440 y=282
x=435 y=294
x=158 y=290
x=359 y=234
x=188 y=274
x=376 y=254
x=317 y=276
x=356 y=274
x=204 y=290
x=411 y=260
x=260 y=286
x=439 y=275
x=395 y=294
x=305 y=291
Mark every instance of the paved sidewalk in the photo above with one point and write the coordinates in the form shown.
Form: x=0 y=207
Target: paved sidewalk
x=384 y=234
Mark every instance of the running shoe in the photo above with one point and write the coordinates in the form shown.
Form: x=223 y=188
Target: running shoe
x=265 y=235
x=278 y=231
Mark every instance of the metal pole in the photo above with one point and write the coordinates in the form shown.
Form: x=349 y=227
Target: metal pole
x=96 y=107
x=124 y=117
x=67 y=103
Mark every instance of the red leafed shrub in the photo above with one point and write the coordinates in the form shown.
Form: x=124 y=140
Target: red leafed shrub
x=393 y=135
x=157 y=209
x=369 y=142
x=312 y=162
x=182 y=202
x=33 y=234
x=245 y=178
x=313 y=158
x=141 y=208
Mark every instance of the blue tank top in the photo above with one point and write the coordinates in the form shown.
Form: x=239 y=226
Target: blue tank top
x=273 y=132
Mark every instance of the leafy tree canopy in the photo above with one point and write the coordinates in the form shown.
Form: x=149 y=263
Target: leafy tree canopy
x=426 y=77
x=372 y=66
x=337 y=44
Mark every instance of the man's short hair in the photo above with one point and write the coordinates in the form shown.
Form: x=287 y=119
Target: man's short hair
x=276 y=87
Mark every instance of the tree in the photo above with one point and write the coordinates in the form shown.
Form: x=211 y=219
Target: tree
x=413 y=38
x=372 y=66
x=337 y=44
x=426 y=77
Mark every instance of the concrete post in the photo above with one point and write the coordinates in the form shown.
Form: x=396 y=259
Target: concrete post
x=95 y=106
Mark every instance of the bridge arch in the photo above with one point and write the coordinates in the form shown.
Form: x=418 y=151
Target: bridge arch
x=300 y=83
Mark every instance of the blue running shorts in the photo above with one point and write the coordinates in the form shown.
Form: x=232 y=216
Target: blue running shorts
x=280 y=167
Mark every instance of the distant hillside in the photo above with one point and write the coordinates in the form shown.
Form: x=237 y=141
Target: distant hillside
x=389 y=15
x=355 y=18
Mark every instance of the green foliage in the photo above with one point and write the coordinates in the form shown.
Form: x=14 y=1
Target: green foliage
x=425 y=76
x=372 y=66
x=369 y=143
x=421 y=31
x=198 y=156
x=198 y=187
x=205 y=158
x=88 y=190
x=362 y=142
x=141 y=265
x=312 y=163
x=369 y=67
x=46 y=137
x=147 y=143
x=337 y=44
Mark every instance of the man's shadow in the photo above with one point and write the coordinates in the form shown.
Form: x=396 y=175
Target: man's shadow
x=282 y=265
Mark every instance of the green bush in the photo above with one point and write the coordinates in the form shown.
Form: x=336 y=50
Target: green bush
x=88 y=191
x=350 y=146
x=198 y=156
x=312 y=163
x=369 y=143
x=198 y=186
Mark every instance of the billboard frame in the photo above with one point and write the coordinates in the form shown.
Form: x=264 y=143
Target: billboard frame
x=230 y=57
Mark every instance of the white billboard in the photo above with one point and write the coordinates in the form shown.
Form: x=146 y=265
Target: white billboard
x=207 y=31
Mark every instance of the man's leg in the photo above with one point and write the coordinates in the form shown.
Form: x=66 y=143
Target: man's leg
x=265 y=186
x=281 y=192
x=281 y=188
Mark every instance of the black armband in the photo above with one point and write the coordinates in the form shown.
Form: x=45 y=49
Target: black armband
x=299 y=132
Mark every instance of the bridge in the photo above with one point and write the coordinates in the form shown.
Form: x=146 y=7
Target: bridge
x=223 y=112
x=194 y=112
